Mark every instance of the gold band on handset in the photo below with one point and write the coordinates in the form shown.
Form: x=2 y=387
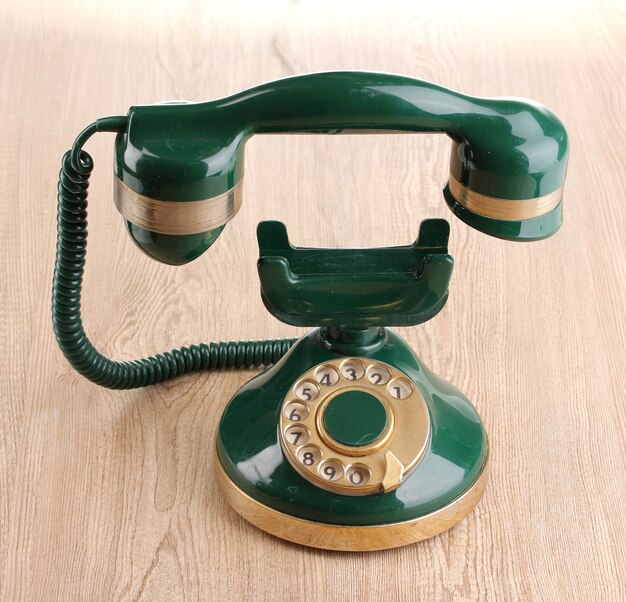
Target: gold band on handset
x=503 y=209
x=177 y=217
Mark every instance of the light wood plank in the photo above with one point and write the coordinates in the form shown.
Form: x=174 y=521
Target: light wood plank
x=109 y=495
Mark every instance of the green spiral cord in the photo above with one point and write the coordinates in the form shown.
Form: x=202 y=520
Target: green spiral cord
x=76 y=168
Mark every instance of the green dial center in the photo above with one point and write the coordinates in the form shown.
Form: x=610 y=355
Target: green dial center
x=355 y=418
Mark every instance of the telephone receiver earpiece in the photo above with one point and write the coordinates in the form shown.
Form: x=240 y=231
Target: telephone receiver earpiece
x=179 y=167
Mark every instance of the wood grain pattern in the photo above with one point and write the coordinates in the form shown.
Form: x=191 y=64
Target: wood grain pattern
x=109 y=495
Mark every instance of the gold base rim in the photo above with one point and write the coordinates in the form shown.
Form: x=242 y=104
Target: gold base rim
x=346 y=538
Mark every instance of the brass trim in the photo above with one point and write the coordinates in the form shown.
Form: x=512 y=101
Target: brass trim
x=393 y=472
x=407 y=432
x=503 y=209
x=344 y=537
x=174 y=217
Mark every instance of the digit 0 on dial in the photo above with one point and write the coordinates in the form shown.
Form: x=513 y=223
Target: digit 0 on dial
x=354 y=426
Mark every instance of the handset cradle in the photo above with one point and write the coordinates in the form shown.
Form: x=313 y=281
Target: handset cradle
x=397 y=286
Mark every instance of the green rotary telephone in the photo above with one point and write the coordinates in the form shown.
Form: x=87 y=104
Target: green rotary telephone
x=348 y=441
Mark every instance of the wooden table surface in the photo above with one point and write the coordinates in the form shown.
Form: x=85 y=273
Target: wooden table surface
x=108 y=495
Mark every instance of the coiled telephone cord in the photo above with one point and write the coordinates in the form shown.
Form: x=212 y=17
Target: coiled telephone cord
x=76 y=169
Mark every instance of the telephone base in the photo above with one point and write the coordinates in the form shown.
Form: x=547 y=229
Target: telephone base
x=269 y=481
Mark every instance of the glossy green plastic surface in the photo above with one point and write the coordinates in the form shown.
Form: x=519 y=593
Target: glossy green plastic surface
x=250 y=452
x=395 y=286
x=355 y=418
x=172 y=249
x=502 y=147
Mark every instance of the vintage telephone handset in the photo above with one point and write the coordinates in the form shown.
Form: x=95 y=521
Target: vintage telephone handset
x=348 y=442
